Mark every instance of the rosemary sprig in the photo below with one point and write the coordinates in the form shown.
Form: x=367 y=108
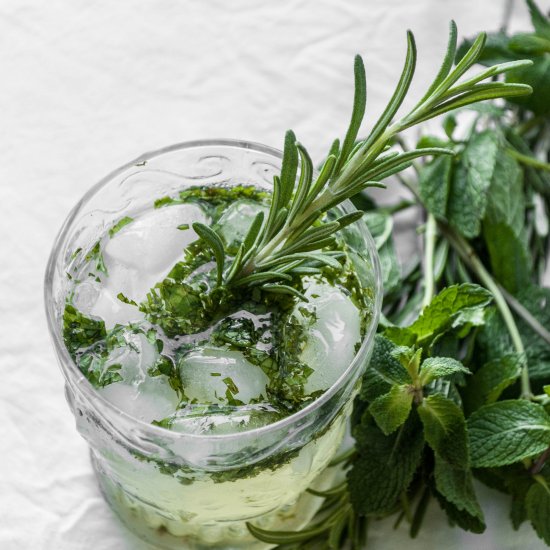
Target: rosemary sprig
x=293 y=239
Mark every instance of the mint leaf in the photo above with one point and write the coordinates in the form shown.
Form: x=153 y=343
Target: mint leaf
x=383 y=372
x=506 y=432
x=449 y=125
x=493 y=340
x=392 y=409
x=445 y=433
x=435 y=180
x=453 y=308
x=492 y=478
x=470 y=184
x=445 y=429
x=537 y=180
x=518 y=512
x=237 y=332
x=538 y=510
x=439 y=367
x=518 y=482
x=491 y=380
x=384 y=466
x=459 y=517
x=496 y=49
x=536 y=300
x=125 y=300
x=506 y=200
x=539 y=20
x=391 y=270
x=529 y=44
x=510 y=258
x=455 y=485
x=409 y=358
x=380 y=225
x=538 y=77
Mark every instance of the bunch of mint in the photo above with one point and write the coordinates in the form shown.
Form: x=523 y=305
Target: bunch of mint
x=458 y=387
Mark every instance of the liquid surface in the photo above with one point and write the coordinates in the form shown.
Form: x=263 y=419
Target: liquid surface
x=138 y=325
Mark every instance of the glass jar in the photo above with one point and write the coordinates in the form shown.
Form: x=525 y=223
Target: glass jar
x=179 y=490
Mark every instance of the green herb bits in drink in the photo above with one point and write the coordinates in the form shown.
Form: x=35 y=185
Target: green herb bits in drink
x=174 y=345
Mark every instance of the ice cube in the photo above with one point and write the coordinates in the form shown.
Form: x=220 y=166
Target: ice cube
x=153 y=399
x=136 y=357
x=109 y=308
x=139 y=394
x=208 y=373
x=86 y=295
x=143 y=252
x=153 y=242
x=333 y=335
x=236 y=220
x=209 y=420
x=140 y=255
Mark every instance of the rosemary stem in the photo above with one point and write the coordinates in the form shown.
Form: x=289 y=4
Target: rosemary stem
x=411 y=186
x=466 y=252
x=398 y=207
x=526 y=315
x=286 y=231
x=344 y=457
x=363 y=158
x=271 y=246
x=539 y=463
x=540 y=479
x=523 y=128
x=429 y=247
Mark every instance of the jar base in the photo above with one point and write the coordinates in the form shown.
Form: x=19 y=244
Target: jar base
x=144 y=522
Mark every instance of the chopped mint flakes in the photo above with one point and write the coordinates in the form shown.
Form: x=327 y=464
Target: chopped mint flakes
x=80 y=331
x=236 y=332
x=95 y=256
x=119 y=225
x=192 y=319
x=88 y=343
x=125 y=299
x=176 y=307
x=214 y=199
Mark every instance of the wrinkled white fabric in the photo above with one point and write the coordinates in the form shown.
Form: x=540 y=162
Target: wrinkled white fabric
x=87 y=86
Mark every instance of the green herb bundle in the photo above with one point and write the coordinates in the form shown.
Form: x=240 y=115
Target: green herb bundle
x=458 y=387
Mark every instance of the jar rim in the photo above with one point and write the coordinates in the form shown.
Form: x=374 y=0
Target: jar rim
x=74 y=375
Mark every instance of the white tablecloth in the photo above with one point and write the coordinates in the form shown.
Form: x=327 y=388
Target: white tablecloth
x=86 y=86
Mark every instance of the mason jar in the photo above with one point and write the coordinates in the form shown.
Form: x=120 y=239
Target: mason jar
x=182 y=490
